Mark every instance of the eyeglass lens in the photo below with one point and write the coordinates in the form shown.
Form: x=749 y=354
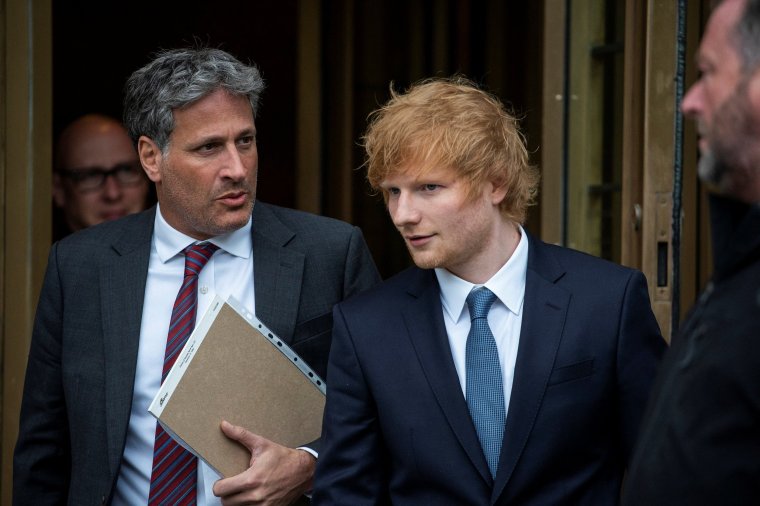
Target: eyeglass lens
x=95 y=177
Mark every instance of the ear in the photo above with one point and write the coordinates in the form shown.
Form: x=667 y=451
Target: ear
x=150 y=157
x=59 y=194
x=497 y=192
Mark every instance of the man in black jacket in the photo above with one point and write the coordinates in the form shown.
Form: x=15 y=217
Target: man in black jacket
x=700 y=441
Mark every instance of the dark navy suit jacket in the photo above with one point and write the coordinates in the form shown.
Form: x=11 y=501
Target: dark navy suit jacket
x=397 y=429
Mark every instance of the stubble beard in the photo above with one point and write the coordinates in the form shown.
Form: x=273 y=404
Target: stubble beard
x=425 y=260
x=732 y=159
x=711 y=171
x=211 y=222
x=454 y=250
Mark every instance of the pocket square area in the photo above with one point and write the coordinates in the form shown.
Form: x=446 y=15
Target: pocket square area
x=572 y=371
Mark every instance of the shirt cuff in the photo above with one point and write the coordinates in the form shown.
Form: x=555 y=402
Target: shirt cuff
x=309 y=450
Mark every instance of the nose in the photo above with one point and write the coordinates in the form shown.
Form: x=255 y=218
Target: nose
x=111 y=187
x=692 y=101
x=404 y=210
x=235 y=167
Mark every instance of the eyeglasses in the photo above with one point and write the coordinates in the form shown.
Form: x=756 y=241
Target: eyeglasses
x=93 y=178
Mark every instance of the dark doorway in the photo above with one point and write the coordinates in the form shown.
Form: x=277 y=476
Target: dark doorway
x=365 y=44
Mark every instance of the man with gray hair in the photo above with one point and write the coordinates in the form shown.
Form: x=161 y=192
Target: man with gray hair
x=109 y=325
x=700 y=441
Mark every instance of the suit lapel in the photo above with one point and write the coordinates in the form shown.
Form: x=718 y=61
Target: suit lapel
x=427 y=332
x=544 y=311
x=123 y=276
x=277 y=272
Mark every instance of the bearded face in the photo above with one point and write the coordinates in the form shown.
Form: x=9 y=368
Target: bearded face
x=725 y=103
x=731 y=157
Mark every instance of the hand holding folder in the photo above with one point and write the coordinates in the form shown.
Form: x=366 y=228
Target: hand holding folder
x=233 y=368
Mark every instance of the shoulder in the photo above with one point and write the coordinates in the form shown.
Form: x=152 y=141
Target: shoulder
x=132 y=230
x=300 y=221
x=395 y=292
x=326 y=244
x=591 y=281
x=575 y=263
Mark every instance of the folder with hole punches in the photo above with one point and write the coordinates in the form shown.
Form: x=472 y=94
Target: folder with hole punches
x=234 y=368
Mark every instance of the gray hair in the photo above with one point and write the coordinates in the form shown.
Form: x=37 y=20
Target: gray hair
x=747 y=36
x=178 y=77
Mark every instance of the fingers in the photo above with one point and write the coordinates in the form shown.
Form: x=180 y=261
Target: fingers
x=234 y=488
x=242 y=436
x=277 y=475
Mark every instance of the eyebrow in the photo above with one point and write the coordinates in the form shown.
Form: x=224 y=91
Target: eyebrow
x=219 y=138
x=247 y=131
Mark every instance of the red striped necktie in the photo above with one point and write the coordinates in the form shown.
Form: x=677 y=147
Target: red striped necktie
x=173 y=477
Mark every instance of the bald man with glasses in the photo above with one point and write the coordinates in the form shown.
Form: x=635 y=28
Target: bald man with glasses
x=98 y=176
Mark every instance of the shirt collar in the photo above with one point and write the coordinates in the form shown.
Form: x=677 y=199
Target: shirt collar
x=508 y=283
x=170 y=241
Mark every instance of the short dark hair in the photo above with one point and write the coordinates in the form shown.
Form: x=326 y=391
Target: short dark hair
x=178 y=77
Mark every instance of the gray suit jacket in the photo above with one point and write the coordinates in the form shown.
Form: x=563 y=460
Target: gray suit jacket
x=81 y=369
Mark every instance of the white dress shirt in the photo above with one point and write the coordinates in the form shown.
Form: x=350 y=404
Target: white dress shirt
x=504 y=318
x=228 y=272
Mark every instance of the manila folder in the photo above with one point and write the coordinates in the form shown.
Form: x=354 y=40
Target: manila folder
x=233 y=368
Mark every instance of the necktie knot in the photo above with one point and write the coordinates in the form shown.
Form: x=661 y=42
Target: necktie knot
x=479 y=301
x=196 y=256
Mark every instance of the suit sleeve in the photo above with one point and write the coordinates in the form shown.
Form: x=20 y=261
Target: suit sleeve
x=41 y=462
x=640 y=349
x=352 y=465
x=360 y=272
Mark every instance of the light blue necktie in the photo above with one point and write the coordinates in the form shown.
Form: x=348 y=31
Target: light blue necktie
x=485 y=390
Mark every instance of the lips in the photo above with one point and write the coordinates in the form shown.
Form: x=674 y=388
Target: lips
x=234 y=199
x=702 y=136
x=419 y=240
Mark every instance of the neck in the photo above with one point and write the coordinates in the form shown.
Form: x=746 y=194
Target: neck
x=496 y=253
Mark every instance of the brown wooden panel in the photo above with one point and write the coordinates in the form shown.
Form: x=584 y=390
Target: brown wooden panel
x=309 y=108
x=633 y=130
x=552 y=131
x=658 y=153
x=26 y=129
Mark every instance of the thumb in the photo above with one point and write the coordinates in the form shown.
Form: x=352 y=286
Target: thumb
x=241 y=435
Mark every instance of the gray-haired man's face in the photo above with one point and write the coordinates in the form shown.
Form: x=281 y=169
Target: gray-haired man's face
x=206 y=181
